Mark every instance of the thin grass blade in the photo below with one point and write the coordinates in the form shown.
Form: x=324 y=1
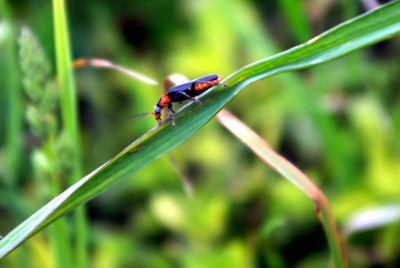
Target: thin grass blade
x=69 y=114
x=294 y=175
x=102 y=63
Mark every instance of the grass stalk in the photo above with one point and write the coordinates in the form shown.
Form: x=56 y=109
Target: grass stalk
x=69 y=117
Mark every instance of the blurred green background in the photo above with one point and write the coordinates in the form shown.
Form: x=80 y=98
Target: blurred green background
x=242 y=214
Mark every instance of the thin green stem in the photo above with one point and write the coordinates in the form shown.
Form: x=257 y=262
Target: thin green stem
x=69 y=117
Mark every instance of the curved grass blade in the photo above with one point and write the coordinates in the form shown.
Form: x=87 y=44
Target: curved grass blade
x=352 y=35
x=290 y=172
x=102 y=63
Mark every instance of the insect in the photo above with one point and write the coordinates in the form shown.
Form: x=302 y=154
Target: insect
x=183 y=92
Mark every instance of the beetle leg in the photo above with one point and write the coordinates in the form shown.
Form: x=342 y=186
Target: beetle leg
x=171 y=112
x=193 y=99
x=171 y=115
x=221 y=84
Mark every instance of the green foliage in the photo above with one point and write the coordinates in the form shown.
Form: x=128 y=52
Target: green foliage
x=324 y=120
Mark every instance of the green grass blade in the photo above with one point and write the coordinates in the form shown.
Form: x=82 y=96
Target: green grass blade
x=352 y=35
x=68 y=103
x=64 y=70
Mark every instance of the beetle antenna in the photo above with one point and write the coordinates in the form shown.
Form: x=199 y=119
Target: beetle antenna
x=134 y=118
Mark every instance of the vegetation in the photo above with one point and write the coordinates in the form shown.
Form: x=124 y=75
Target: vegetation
x=209 y=202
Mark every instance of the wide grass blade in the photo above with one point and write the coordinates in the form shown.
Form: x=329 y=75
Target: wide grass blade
x=352 y=35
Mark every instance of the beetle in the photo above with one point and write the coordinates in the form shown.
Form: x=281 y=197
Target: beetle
x=183 y=92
